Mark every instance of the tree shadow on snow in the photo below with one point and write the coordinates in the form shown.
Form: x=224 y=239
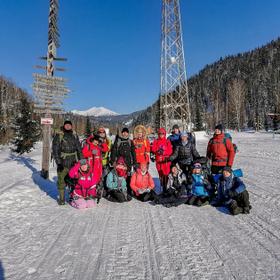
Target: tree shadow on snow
x=2 y=275
x=47 y=186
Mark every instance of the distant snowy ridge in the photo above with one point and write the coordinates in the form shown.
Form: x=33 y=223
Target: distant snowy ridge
x=96 y=112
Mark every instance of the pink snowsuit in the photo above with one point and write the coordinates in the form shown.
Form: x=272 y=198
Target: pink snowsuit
x=94 y=155
x=85 y=188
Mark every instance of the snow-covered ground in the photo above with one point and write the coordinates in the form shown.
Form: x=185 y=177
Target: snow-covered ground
x=40 y=240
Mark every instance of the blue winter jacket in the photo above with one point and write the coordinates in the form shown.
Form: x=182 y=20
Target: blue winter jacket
x=229 y=184
x=114 y=182
x=200 y=186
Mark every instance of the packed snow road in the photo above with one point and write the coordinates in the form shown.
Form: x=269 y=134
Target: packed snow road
x=41 y=240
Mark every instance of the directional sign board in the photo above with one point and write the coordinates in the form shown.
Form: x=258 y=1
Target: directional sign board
x=46 y=120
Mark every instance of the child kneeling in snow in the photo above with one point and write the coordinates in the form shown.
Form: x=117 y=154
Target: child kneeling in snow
x=232 y=193
x=116 y=183
x=142 y=183
x=199 y=187
x=83 y=183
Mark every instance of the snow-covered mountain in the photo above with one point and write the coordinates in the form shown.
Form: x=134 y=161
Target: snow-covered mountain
x=96 y=112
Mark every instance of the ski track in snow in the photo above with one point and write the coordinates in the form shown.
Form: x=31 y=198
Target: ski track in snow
x=40 y=240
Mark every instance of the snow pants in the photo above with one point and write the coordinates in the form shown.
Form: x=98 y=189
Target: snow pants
x=240 y=204
x=198 y=200
x=60 y=178
x=144 y=197
x=118 y=196
x=82 y=203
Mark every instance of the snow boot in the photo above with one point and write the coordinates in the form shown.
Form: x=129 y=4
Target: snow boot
x=246 y=210
x=191 y=200
x=234 y=208
x=61 y=199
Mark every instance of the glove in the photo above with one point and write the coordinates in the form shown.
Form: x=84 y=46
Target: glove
x=141 y=191
x=232 y=194
x=60 y=168
x=160 y=151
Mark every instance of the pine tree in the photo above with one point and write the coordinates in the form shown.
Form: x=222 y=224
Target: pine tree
x=88 y=127
x=26 y=130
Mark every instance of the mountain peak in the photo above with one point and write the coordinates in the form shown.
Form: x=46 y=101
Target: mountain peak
x=95 y=112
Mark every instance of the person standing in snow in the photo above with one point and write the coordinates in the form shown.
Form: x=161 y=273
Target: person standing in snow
x=92 y=151
x=220 y=151
x=83 y=185
x=162 y=148
x=66 y=151
x=175 y=136
x=232 y=193
x=124 y=147
x=185 y=153
x=141 y=144
x=105 y=160
x=104 y=139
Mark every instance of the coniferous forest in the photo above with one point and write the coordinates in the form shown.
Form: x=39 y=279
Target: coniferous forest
x=238 y=91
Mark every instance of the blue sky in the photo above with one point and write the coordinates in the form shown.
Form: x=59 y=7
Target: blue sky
x=113 y=47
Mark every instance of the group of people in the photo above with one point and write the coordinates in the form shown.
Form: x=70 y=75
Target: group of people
x=119 y=171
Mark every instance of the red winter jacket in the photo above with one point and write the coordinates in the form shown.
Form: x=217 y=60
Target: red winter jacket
x=94 y=155
x=86 y=185
x=162 y=148
x=139 y=181
x=221 y=153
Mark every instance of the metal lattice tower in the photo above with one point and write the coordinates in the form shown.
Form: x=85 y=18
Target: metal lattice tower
x=49 y=91
x=174 y=99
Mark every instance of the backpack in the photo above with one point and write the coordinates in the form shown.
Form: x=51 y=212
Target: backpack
x=123 y=147
x=228 y=136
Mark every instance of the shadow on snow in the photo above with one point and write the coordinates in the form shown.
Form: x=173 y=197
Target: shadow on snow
x=47 y=186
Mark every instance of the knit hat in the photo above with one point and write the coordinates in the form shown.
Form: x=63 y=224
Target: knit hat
x=220 y=127
x=197 y=165
x=125 y=129
x=121 y=161
x=95 y=137
x=184 y=133
x=67 y=122
x=228 y=169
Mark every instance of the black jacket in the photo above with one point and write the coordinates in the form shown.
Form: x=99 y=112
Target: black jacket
x=65 y=143
x=185 y=154
x=125 y=148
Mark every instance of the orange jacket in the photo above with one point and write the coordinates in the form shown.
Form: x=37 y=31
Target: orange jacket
x=139 y=181
x=142 y=150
